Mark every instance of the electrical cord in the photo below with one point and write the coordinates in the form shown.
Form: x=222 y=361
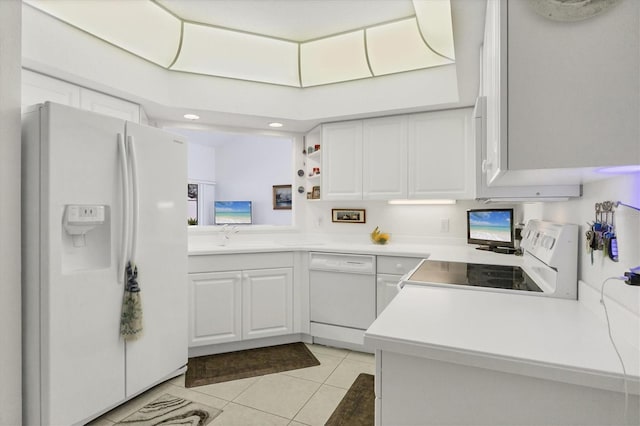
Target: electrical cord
x=624 y=370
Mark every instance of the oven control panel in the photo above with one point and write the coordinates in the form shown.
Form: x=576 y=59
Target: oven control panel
x=550 y=242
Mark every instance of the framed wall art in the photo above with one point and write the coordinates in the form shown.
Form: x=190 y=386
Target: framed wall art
x=348 y=215
x=282 y=197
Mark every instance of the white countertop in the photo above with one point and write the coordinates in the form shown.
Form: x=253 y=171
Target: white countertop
x=555 y=339
x=449 y=252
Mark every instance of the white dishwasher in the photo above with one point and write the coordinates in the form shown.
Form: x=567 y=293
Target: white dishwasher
x=342 y=295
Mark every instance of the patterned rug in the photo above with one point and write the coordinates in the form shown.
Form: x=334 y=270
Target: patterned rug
x=357 y=408
x=205 y=370
x=172 y=410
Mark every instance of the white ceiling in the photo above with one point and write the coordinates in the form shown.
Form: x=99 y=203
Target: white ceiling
x=295 y=20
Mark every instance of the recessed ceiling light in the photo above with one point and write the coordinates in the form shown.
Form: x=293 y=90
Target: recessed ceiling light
x=191 y=116
x=275 y=124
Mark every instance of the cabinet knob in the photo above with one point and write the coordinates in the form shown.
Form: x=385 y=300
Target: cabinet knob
x=485 y=165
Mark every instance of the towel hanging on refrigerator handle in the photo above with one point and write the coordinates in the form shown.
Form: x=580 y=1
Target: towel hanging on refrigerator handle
x=131 y=317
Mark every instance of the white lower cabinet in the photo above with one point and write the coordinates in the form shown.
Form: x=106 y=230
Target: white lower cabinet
x=386 y=290
x=238 y=297
x=267 y=303
x=215 y=301
x=390 y=270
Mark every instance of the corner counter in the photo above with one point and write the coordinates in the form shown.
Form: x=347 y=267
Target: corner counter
x=471 y=357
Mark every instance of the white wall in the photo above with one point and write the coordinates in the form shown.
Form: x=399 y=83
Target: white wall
x=201 y=162
x=247 y=169
x=580 y=211
x=10 y=300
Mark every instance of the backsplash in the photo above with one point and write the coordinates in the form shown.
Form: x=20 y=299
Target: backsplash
x=405 y=223
x=624 y=188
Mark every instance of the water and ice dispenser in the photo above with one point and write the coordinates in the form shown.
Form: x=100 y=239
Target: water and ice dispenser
x=86 y=237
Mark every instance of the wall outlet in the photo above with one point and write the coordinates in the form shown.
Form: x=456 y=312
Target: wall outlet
x=444 y=225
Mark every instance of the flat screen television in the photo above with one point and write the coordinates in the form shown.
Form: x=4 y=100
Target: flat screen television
x=232 y=212
x=491 y=228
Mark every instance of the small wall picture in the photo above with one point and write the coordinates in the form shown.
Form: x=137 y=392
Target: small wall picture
x=348 y=215
x=315 y=193
x=282 y=197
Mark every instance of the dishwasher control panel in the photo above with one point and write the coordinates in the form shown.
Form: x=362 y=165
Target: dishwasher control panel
x=340 y=262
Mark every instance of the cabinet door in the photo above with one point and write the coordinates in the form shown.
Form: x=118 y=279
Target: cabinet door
x=108 y=105
x=384 y=167
x=441 y=155
x=386 y=290
x=38 y=88
x=215 y=308
x=267 y=307
x=574 y=91
x=342 y=161
x=494 y=83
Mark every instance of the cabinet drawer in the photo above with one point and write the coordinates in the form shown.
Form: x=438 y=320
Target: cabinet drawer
x=239 y=261
x=397 y=265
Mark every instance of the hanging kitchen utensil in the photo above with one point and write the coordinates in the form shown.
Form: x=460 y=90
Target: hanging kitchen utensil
x=131 y=317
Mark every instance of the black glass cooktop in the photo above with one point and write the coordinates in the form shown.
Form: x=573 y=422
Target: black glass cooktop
x=474 y=274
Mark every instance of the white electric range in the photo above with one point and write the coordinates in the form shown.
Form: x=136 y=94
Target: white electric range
x=549 y=266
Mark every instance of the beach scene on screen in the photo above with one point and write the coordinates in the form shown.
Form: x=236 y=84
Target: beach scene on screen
x=494 y=226
x=232 y=212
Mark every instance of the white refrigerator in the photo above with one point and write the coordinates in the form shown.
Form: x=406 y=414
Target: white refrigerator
x=99 y=192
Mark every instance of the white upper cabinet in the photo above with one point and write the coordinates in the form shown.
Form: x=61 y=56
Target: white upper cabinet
x=385 y=158
x=419 y=156
x=569 y=90
x=494 y=85
x=108 y=105
x=441 y=155
x=342 y=161
x=39 y=88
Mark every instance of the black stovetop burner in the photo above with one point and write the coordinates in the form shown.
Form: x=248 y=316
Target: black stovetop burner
x=474 y=274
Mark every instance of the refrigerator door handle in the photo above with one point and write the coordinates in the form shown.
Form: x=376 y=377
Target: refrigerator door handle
x=124 y=170
x=135 y=196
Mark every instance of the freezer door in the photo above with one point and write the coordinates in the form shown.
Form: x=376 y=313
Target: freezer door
x=72 y=306
x=159 y=165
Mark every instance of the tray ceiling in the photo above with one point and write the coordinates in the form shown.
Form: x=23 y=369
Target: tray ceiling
x=298 y=43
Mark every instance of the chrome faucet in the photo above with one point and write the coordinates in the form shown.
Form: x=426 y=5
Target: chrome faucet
x=226 y=232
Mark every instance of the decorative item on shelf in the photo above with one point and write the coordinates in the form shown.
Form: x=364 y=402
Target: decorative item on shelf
x=309 y=196
x=348 y=215
x=282 y=197
x=310 y=150
x=378 y=237
x=316 y=147
x=316 y=170
x=315 y=193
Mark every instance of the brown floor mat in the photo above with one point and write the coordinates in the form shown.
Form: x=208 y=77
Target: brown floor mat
x=357 y=408
x=205 y=370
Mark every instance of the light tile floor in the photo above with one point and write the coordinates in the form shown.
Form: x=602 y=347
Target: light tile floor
x=306 y=396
